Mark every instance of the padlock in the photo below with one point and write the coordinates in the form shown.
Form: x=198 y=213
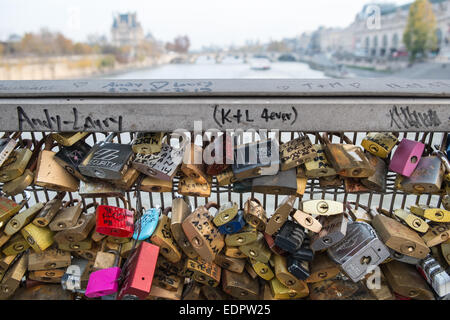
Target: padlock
x=115 y=221
x=240 y=286
x=99 y=189
x=302 y=182
x=128 y=179
x=379 y=144
x=379 y=287
x=103 y=282
x=436 y=234
x=5 y=263
x=47 y=276
x=435 y=275
x=232 y=264
x=151 y=184
x=202 y=233
x=290 y=237
x=256 y=159
x=107 y=160
x=221 y=151
x=71 y=157
x=147 y=142
x=251 y=272
x=16 y=163
x=7 y=145
x=212 y=293
x=192 y=291
x=322 y=207
x=360 y=251
x=49 y=259
x=192 y=165
x=296 y=152
x=280 y=292
x=89 y=254
x=128 y=247
x=49 y=211
x=79 y=232
x=445 y=250
x=246 y=235
x=406 y=157
x=171 y=268
x=430 y=213
x=235 y=225
x=181 y=209
x=39 y=238
x=226 y=213
x=225 y=178
x=257 y=250
x=15 y=245
x=280 y=215
x=405 y=280
x=283 y=183
x=234 y=252
x=85 y=244
x=162 y=237
x=398 y=237
x=273 y=247
x=21 y=219
x=146 y=225
x=347 y=159
x=11 y=280
x=202 y=271
x=18 y=185
x=138 y=272
x=331 y=182
x=262 y=269
x=41 y=291
x=395 y=255
x=353 y=185
x=359 y=214
x=254 y=214
x=67 y=216
x=298 y=269
x=377 y=181
x=307 y=221
x=334 y=229
x=242 y=186
x=158 y=293
x=339 y=289
x=71 y=280
x=427 y=177
x=287 y=278
x=166 y=281
x=50 y=174
x=413 y=221
x=188 y=186
x=68 y=139
x=303 y=254
x=4 y=239
x=8 y=208
x=97 y=237
x=162 y=165
x=319 y=166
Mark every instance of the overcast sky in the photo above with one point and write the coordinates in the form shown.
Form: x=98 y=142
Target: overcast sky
x=206 y=22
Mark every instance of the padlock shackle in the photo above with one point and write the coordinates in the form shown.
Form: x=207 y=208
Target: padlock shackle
x=110 y=137
x=341 y=135
x=166 y=211
x=441 y=155
x=90 y=205
x=32 y=164
x=184 y=142
x=70 y=203
x=211 y=204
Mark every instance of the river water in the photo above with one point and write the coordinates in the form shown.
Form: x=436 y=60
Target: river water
x=280 y=70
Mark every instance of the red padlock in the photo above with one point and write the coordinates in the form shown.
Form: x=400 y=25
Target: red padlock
x=138 y=272
x=115 y=221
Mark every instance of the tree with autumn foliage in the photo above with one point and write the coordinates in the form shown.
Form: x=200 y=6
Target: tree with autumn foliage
x=181 y=44
x=420 y=33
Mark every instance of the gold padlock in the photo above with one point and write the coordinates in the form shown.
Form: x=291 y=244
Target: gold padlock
x=21 y=219
x=319 y=166
x=67 y=216
x=5 y=263
x=8 y=208
x=151 y=184
x=193 y=166
x=68 y=139
x=232 y=264
x=81 y=230
x=158 y=293
x=296 y=152
x=85 y=244
x=167 y=267
x=240 y=286
x=234 y=252
x=104 y=260
x=15 y=165
x=49 y=259
x=38 y=238
x=226 y=178
x=49 y=276
x=280 y=292
x=281 y=215
x=331 y=182
x=188 y=186
x=50 y=174
x=285 y=277
x=247 y=235
x=213 y=293
x=167 y=281
x=437 y=234
x=445 y=251
x=15 y=245
x=162 y=237
x=377 y=181
x=322 y=207
x=301 y=185
x=226 y=213
x=4 y=239
x=18 y=185
x=262 y=269
x=181 y=209
x=254 y=214
x=257 y=250
x=412 y=220
x=204 y=272
x=379 y=144
x=127 y=248
x=202 y=233
x=430 y=213
x=49 y=211
x=127 y=180
x=12 y=278
x=147 y=142
x=192 y=291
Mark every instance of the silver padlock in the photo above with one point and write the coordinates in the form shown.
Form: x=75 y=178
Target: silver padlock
x=435 y=275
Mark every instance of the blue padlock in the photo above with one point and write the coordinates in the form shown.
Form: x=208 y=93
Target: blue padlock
x=448 y=147
x=234 y=225
x=147 y=223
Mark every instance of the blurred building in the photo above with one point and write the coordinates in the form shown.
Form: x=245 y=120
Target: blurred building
x=126 y=30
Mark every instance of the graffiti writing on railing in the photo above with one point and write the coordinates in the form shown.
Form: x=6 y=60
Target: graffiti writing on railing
x=159 y=86
x=404 y=118
x=76 y=122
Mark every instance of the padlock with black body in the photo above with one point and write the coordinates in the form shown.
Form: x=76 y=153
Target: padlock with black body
x=299 y=269
x=290 y=237
x=71 y=157
x=283 y=183
x=334 y=229
x=242 y=186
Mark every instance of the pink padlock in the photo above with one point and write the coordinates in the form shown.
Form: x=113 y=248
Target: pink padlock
x=406 y=158
x=103 y=282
